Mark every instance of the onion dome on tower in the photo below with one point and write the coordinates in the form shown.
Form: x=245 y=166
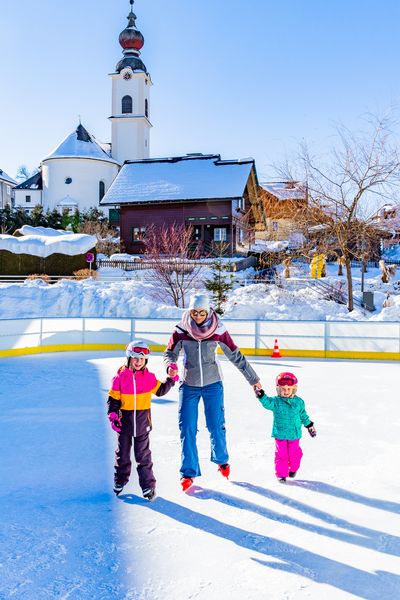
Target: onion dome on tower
x=132 y=41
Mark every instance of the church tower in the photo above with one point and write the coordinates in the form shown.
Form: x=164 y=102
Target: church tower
x=130 y=118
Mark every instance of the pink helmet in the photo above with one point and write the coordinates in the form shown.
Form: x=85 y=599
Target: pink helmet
x=286 y=379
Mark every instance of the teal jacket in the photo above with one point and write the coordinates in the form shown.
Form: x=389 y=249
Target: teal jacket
x=289 y=415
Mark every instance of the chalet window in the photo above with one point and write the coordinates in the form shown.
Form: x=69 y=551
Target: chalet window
x=68 y=180
x=8 y=190
x=138 y=234
x=146 y=107
x=127 y=105
x=102 y=189
x=27 y=198
x=220 y=234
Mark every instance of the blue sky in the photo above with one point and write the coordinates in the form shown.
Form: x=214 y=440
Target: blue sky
x=242 y=78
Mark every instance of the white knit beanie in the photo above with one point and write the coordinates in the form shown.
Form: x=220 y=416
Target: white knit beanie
x=199 y=302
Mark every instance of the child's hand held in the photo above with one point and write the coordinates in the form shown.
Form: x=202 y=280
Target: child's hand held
x=259 y=392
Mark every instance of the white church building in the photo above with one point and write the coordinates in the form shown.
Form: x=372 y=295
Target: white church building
x=80 y=170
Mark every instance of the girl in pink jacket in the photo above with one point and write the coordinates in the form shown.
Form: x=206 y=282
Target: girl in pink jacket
x=129 y=413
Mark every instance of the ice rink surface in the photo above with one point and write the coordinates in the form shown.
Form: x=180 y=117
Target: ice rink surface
x=332 y=533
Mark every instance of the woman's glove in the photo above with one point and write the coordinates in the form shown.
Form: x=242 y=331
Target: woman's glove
x=311 y=430
x=115 y=421
x=173 y=372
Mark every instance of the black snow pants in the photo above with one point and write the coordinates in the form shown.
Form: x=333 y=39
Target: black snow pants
x=141 y=449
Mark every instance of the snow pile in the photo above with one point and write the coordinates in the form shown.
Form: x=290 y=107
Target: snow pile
x=41 y=231
x=44 y=243
x=128 y=294
x=269 y=246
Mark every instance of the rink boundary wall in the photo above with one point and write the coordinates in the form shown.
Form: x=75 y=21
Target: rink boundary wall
x=313 y=339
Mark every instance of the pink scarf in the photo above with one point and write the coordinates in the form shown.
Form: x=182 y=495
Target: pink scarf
x=203 y=331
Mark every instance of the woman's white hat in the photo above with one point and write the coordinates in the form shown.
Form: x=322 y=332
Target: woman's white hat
x=199 y=302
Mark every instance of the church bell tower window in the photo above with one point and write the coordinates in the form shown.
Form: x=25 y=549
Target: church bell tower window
x=127 y=105
x=146 y=108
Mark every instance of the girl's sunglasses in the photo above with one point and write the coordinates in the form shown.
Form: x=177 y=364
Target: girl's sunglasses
x=198 y=313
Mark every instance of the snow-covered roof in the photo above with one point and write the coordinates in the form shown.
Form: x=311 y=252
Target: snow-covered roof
x=285 y=190
x=191 y=177
x=80 y=144
x=6 y=178
x=47 y=244
x=32 y=183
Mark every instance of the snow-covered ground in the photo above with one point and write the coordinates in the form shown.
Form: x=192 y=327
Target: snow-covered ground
x=332 y=533
x=138 y=297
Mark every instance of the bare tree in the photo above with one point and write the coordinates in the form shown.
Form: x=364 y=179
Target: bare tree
x=107 y=238
x=345 y=191
x=175 y=261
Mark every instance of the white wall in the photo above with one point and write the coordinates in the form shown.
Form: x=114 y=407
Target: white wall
x=20 y=198
x=85 y=174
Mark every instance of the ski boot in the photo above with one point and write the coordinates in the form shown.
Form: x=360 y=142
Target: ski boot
x=186 y=482
x=225 y=470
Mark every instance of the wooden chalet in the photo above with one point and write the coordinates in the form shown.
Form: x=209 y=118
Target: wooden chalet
x=213 y=196
x=281 y=202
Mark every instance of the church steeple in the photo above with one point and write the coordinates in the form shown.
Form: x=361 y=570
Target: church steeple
x=131 y=82
x=132 y=41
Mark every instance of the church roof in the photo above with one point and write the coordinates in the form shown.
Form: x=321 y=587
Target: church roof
x=33 y=183
x=190 y=178
x=6 y=178
x=80 y=144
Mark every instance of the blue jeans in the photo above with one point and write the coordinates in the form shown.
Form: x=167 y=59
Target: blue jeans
x=213 y=399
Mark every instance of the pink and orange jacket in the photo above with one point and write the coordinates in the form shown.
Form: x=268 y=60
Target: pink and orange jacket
x=132 y=391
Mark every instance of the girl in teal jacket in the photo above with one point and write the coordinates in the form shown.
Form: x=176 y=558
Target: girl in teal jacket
x=289 y=415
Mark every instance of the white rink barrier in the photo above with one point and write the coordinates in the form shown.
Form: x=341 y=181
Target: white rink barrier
x=331 y=339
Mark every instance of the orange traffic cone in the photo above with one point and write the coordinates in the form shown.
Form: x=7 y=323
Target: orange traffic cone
x=276 y=353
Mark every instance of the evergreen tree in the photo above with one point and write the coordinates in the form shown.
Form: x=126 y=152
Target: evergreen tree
x=38 y=218
x=220 y=284
x=53 y=219
x=7 y=222
x=21 y=218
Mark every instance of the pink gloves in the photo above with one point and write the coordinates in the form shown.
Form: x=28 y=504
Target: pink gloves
x=174 y=367
x=115 y=421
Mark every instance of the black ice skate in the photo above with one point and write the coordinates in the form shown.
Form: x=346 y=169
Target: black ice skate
x=149 y=494
x=282 y=479
x=292 y=474
x=118 y=488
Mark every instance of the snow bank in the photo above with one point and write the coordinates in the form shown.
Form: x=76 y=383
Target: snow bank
x=44 y=245
x=41 y=231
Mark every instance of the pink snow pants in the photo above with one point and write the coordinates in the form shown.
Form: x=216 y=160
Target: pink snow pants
x=287 y=456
